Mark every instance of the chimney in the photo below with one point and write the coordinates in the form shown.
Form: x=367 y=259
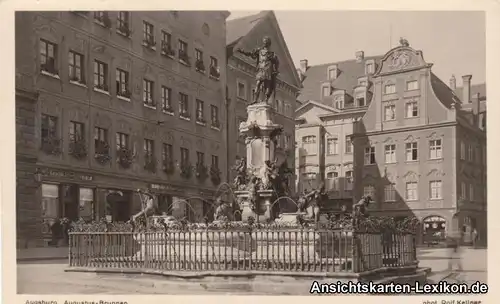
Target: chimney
x=301 y=76
x=453 y=83
x=303 y=66
x=360 y=56
x=475 y=109
x=466 y=89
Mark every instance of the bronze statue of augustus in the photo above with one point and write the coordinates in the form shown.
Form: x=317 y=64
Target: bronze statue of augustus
x=267 y=69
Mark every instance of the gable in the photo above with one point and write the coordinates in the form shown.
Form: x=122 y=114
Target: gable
x=401 y=59
x=311 y=112
x=268 y=26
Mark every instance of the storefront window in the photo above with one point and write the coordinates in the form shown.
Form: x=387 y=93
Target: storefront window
x=50 y=201
x=86 y=202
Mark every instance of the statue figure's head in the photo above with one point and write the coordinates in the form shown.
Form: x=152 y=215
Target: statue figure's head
x=266 y=41
x=368 y=199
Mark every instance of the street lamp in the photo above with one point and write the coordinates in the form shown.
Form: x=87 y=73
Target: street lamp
x=37 y=175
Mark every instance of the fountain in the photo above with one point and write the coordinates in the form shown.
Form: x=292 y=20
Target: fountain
x=259 y=184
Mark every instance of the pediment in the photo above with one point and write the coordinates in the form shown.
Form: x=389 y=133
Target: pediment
x=316 y=107
x=400 y=59
x=411 y=176
x=436 y=173
x=411 y=138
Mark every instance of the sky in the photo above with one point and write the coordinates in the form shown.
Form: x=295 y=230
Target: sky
x=454 y=41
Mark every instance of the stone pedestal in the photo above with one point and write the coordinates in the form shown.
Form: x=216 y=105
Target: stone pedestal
x=262 y=212
x=259 y=130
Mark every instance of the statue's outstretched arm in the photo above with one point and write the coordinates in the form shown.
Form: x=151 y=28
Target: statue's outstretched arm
x=253 y=54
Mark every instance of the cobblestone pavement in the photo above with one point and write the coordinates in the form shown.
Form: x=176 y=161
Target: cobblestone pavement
x=48 y=277
x=474 y=265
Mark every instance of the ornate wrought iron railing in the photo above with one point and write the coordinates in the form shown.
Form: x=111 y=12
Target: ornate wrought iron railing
x=278 y=250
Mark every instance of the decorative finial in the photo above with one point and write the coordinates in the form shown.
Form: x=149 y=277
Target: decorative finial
x=404 y=42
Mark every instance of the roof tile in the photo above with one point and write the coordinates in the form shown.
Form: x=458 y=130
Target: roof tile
x=349 y=72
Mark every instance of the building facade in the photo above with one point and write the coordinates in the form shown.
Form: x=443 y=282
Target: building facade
x=334 y=96
x=119 y=101
x=420 y=149
x=247 y=33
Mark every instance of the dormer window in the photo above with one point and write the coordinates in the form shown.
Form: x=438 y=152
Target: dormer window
x=332 y=72
x=361 y=99
x=369 y=67
x=363 y=81
x=338 y=101
x=326 y=90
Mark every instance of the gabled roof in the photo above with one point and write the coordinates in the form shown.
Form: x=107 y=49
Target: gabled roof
x=476 y=88
x=350 y=71
x=446 y=95
x=443 y=92
x=240 y=27
x=318 y=104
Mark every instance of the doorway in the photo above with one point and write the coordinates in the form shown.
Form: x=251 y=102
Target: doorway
x=434 y=229
x=118 y=206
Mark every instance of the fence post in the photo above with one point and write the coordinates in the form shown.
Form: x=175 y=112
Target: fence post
x=70 y=240
x=355 y=252
x=414 y=248
x=146 y=255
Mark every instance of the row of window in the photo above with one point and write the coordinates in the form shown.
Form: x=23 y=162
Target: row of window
x=49 y=129
x=284 y=141
x=361 y=99
x=81 y=202
x=333 y=181
x=411 y=191
x=332 y=145
x=411 y=85
x=411 y=152
x=149 y=41
x=333 y=71
x=470 y=153
x=411 y=110
x=123 y=85
x=74 y=202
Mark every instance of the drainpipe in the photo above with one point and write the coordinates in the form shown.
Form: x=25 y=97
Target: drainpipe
x=228 y=161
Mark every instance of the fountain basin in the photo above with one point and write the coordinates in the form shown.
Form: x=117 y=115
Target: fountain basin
x=262 y=245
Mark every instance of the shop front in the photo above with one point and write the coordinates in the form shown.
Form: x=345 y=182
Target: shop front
x=69 y=195
x=184 y=203
x=434 y=230
x=65 y=196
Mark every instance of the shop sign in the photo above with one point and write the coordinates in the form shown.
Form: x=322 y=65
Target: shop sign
x=66 y=174
x=163 y=187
